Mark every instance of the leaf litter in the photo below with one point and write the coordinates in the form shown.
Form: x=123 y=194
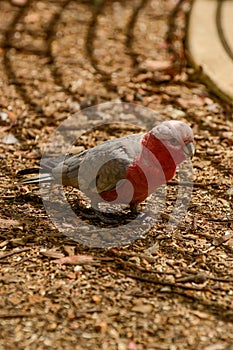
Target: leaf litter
x=166 y=291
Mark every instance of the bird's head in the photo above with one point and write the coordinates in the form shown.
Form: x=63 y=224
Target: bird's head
x=177 y=136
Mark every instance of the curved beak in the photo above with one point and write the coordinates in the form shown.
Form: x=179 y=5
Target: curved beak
x=189 y=150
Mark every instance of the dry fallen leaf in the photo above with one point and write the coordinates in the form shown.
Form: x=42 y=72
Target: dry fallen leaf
x=142 y=308
x=156 y=64
x=228 y=235
x=76 y=259
x=96 y=299
x=52 y=254
x=59 y=57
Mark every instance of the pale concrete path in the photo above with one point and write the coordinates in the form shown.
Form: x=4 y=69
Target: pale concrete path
x=210 y=43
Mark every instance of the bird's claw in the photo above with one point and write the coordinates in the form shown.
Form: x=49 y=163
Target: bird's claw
x=104 y=219
x=97 y=214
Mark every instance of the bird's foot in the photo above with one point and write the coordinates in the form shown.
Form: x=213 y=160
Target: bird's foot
x=97 y=214
x=141 y=215
x=134 y=209
x=106 y=220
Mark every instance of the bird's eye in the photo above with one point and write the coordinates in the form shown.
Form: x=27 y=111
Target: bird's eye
x=174 y=141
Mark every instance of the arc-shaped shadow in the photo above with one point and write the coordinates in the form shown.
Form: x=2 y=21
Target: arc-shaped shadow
x=221 y=33
x=130 y=32
x=50 y=34
x=171 y=35
x=89 y=45
x=20 y=88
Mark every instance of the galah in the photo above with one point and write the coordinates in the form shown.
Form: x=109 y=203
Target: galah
x=126 y=169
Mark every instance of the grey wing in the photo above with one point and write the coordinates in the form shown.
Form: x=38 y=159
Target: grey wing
x=66 y=171
x=105 y=172
x=100 y=168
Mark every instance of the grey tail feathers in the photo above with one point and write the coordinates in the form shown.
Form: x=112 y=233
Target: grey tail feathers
x=42 y=178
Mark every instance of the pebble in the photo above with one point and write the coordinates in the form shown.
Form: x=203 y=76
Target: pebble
x=10 y=139
x=230 y=192
x=78 y=268
x=4 y=116
x=19 y=2
x=143 y=308
x=215 y=108
x=175 y=113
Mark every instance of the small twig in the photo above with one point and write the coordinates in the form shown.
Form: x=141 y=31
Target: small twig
x=190 y=184
x=157 y=272
x=216 y=243
x=174 y=292
x=221 y=220
x=197 y=278
x=168 y=284
x=18 y=315
x=223 y=239
x=18 y=251
x=219 y=279
x=204 y=251
x=141 y=269
x=202 y=277
x=92 y=311
x=176 y=183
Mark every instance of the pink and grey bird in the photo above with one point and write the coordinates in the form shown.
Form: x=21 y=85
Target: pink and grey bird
x=126 y=169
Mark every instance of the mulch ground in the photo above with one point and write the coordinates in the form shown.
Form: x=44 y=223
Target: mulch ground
x=164 y=291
